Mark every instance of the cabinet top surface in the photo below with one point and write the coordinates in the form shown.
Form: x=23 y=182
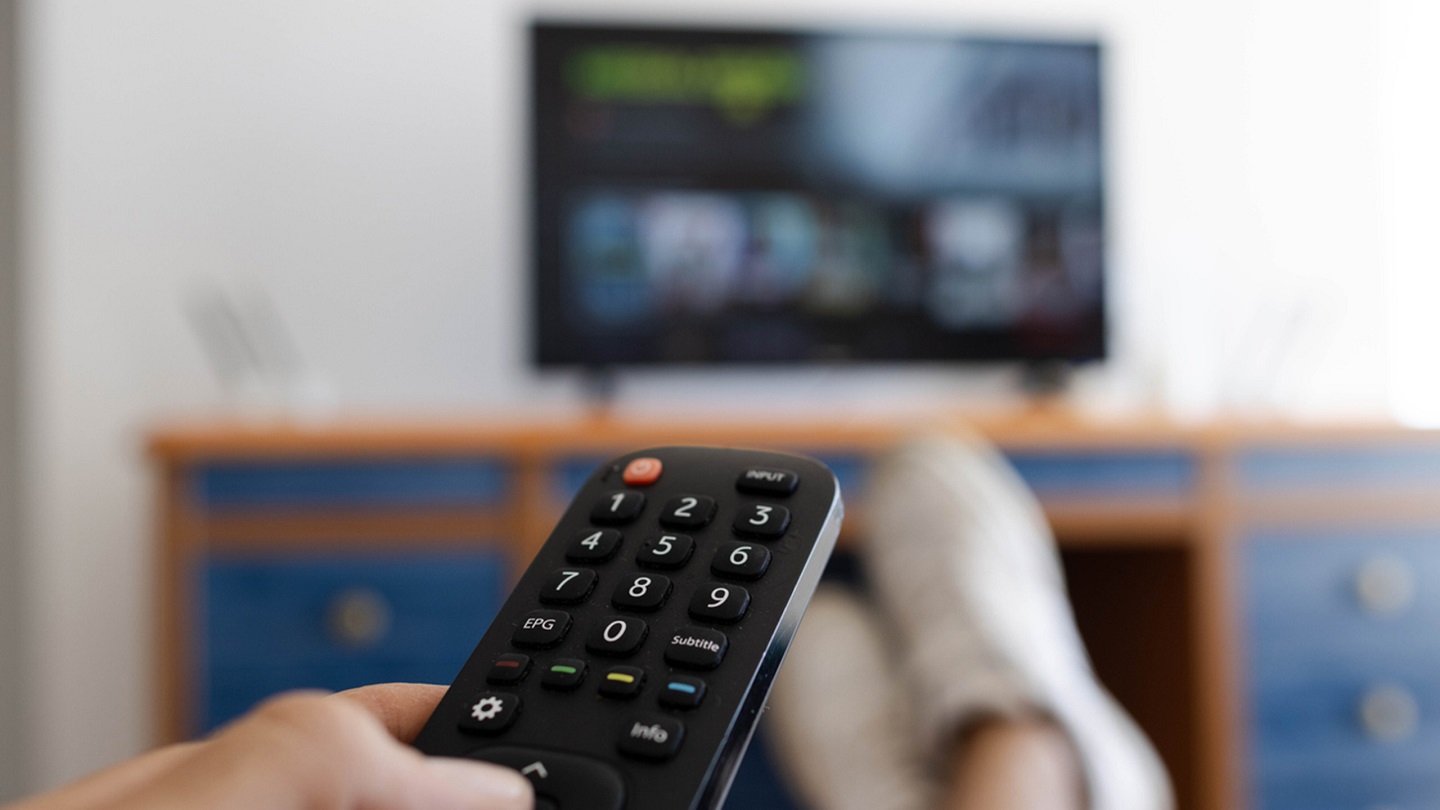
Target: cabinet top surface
x=179 y=440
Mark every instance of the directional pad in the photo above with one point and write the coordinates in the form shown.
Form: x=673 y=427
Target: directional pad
x=571 y=782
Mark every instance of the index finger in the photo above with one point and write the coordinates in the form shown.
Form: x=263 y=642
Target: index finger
x=402 y=707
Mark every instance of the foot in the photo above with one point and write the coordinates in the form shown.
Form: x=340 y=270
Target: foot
x=838 y=723
x=966 y=569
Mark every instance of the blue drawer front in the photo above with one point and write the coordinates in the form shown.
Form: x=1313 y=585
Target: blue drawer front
x=1301 y=591
x=1151 y=473
x=1381 y=787
x=267 y=626
x=1313 y=718
x=1314 y=653
x=416 y=483
x=1276 y=470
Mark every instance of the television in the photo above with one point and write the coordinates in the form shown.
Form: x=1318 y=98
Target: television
x=709 y=196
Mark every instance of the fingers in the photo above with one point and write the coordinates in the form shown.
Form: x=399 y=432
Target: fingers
x=402 y=708
x=303 y=751
x=105 y=788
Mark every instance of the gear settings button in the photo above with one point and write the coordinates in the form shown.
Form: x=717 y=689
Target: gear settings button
x=490 y=712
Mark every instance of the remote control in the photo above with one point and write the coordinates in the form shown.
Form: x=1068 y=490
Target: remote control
x=629 y=666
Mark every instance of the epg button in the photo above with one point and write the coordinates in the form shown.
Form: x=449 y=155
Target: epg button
x=541 y=628
x=764 y=481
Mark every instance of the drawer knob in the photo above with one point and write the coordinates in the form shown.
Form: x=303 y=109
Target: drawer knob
x=1385 y=586
x=359 y=617
x=1389 y=713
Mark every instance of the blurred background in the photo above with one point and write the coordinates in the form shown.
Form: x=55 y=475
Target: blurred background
x=1177 y=232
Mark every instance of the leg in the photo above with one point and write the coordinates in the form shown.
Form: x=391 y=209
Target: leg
x=838 y=724
x=967 y=572
x=1026 y=764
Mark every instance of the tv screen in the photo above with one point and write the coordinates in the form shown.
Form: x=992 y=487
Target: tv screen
x=707 y=196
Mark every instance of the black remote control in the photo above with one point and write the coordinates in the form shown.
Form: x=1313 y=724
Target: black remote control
x=630 y=664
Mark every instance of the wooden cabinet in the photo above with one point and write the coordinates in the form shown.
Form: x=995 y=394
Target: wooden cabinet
x=1214 y=590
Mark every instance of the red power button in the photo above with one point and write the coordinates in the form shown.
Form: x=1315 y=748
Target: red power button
x=642 y=471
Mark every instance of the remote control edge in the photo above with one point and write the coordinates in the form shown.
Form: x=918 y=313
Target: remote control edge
x=727 y=760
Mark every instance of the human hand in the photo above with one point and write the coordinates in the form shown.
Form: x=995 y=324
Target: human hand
x=305 y=751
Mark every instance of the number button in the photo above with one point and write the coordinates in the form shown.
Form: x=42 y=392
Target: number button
x=688 y=512
x=720 y=603
x=568 y=586
x=617 y=636
x=594 y=545
x=641 y=592
x=541 y=628
x=741 y=560
x=666 y=551
x=762 y=520
x=617 y=508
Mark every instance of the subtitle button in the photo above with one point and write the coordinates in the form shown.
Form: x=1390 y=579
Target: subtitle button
x=697 y=648
x=651 y=737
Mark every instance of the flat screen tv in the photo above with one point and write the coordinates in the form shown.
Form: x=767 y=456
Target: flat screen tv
x=742 y=197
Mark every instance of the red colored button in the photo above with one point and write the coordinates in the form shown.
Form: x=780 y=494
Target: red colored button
x=642 y=471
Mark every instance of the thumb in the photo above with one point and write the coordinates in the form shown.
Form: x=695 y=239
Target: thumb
x=304 y=751
x=479 y=784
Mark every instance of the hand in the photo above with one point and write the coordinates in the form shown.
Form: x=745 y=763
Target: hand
x=302 y=751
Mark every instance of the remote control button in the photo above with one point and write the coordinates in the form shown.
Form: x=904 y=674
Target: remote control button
x=764 y=481
x=563 y=674
x=617 y=508
x=566 y=780
x=697 y=648
x=595 y=545
x=642 y=471
x=490 y=712
x=666 y=551
x=688 y=512
x=617 y=637
x=568 y=586
x=720 y=603
x=741 y=560
x=682 y=692
x=641 y=592
x=762 y=520
x=622 y=682
x=509 y=668
x=541 y=628
x=651 y=737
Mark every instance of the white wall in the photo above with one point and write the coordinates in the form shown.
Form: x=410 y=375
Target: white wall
x=11 y=745
x=360 y=160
